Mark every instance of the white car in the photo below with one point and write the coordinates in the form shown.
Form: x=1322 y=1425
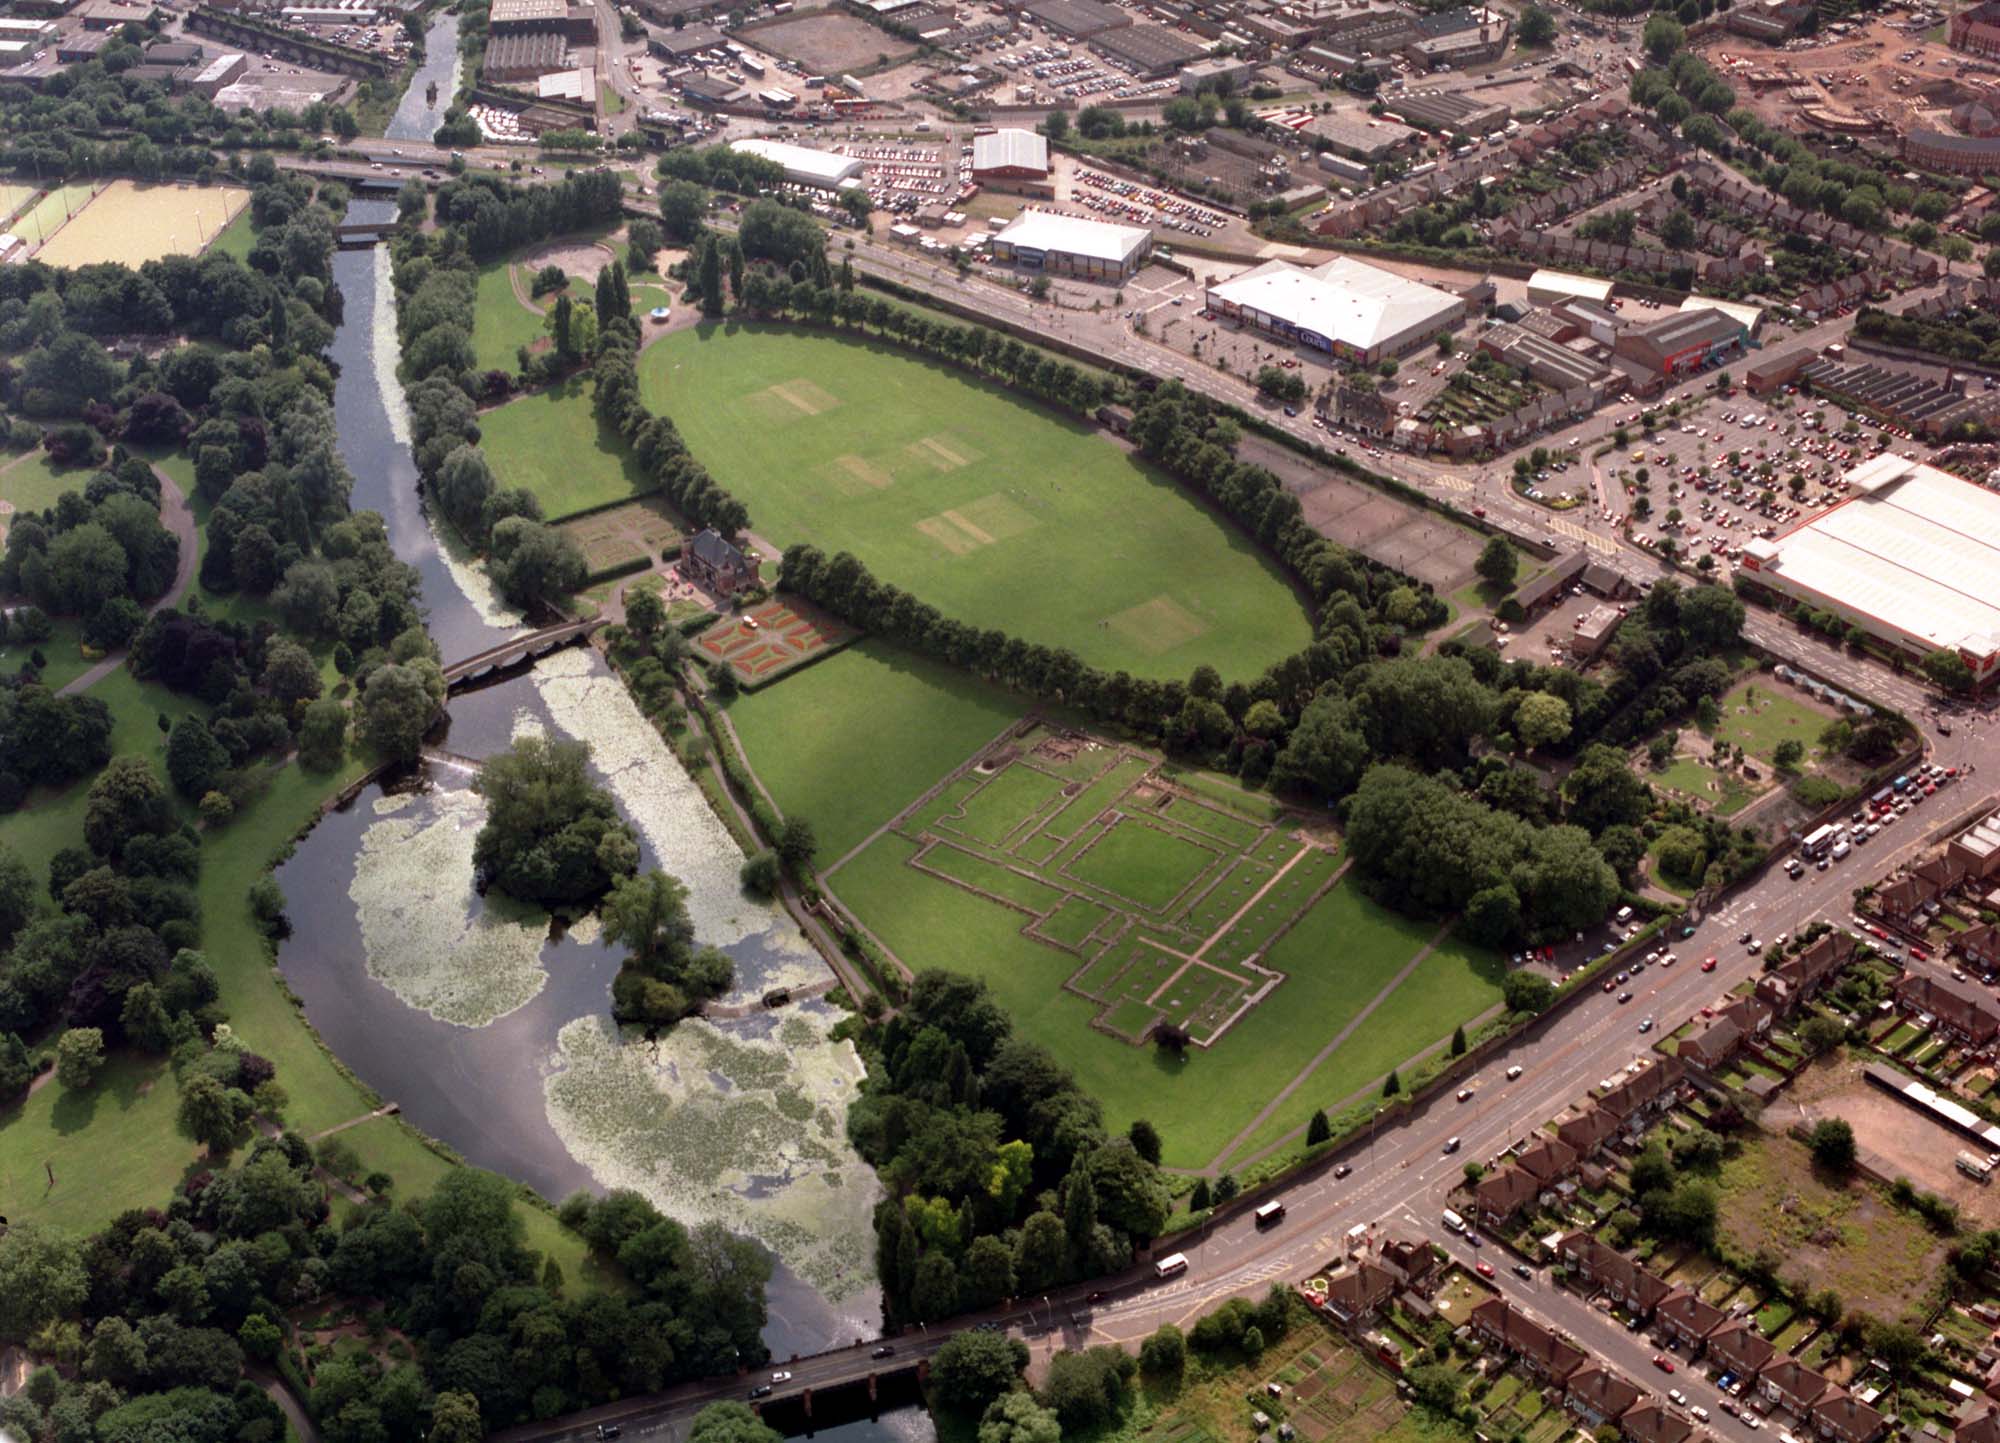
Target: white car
x=1513 y=1072
x=1676 y=1397
x=1752 y=1422
x=1698 y=1413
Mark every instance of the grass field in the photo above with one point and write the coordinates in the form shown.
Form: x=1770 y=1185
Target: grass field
x=988 y=506
x=551 y=443
x=40 y=221
x=1844 y=1236
x=850 y=741
x=131 y=223
x=1149 y=906
x=1759 y=714
x=33 y=482
x=13 y=196
x=129 y=1116
x=237 y=238
x=501 y=325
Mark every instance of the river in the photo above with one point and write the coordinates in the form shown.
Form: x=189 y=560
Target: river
x=417 y=117
x=493 y=1035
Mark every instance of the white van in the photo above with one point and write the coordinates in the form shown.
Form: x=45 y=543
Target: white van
x=1453 y=1221
x=1171 y=1266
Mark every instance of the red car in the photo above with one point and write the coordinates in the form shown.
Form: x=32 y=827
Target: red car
x=1483 y=1268
x=1607 y=986
x=1708 y=964
x=1663 y=1362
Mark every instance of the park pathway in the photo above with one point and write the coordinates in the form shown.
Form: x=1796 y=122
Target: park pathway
x=1299 y=1079
x=1277 y=877
x=178 y=517
x=389 y=1109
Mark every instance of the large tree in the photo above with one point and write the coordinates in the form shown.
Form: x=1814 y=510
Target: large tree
x=552 y=834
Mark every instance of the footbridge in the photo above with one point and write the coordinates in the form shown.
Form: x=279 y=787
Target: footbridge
x=517 y=651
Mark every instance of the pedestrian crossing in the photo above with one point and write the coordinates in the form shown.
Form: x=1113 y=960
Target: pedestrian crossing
x=1564 y=527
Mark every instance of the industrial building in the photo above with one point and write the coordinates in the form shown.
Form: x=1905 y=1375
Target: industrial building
x=1448 y=112
x=1912 y=558
x=1071 y=245
x=1458 y=38
x=1547 y=288
x=1359 y=135
x=1750 y=317
x=805 y=166
x=1225 y=72
x=1346 y=307
x=30 y=32
x=523 y=56
x=221 y=71
x=1010 y=155
x=1148 y=50
x=1681 y=343
x=1079 y=19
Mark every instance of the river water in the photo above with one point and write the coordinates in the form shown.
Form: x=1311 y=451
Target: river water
x=491 y=1033
x=418 y=118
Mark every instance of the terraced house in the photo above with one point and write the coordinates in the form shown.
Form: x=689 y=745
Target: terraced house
x=1688 y=1320
x=1600 y=1268
x=1596 y=1396
x=1546 y=1357
x=1844 y=1418
x=1737 y=1347
x=1957 y=1008
x=1789 y=1384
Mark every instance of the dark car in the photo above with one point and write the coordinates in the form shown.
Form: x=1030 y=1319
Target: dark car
x=609 y=1430
x=1522 y=1270
x=762 y=1390
x=1624 y=996
x=1342 y=1171
x=885 y=1351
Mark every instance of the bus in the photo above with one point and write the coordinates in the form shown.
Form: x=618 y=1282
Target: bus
x=1171 y=1266
x=1269 y=1214
x=1818 y=842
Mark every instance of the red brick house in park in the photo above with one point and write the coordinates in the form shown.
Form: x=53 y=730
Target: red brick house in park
x=716 y=564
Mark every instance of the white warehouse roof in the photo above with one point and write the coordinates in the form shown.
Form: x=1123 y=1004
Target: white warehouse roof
x=804 y=166
x=1021 y=149
x=1588 y=288
x=1345 y=301
x=1916 y=549
x=1748 y=316
x=1069 y=235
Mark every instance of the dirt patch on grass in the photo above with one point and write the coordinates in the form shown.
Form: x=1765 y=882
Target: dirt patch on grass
x=581 y=259
x=1847 y=1237
x=1911 y=1144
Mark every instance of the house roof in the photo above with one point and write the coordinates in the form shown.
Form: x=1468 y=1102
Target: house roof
x=1983 y=1429
x=1649 y=1422
x=1746 y=1349
x=1841 y=1411
x=1547 y=1160
x=1598 y=1387
x=1655 y=1082
x=1523 y=1335
x=709 y=548
x=1361 y=1288
x=1794 y=1379
x=1956 y=1002
x=1506 y=1191
x=1690 y=1313
x=1587 y=1131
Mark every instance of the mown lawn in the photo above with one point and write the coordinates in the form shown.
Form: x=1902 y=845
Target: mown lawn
x=33 y=481
x=994 y=509
x=551 y=443
x=1454 y=984
x=113 y=1147
x=1338 y=957
x=850 y=741
x=1759 y=714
